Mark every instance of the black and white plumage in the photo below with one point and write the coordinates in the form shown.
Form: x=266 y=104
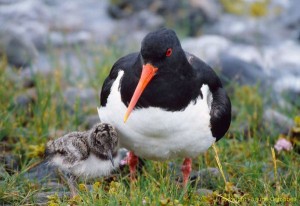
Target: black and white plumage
x=88 y=154
x=176 y=102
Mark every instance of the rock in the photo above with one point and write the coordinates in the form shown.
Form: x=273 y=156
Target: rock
x=207 y=47
x=287 y=83
x=86 y=97
x=282 y=56
x=91 y=120
x=236 y=70
x=211 y=9
x=291 y=18
x=43 y=172
x=124 y=8
x=41 y=198
x=11 y=162
x=146 y=20
x=28 y=19
x=59 y=39
x=53 y=186
x=247 y=53
x=275 y=121
x=26 y=98
x=248 y=30
x=208 y=178
x=203 y=192
x=20 y=51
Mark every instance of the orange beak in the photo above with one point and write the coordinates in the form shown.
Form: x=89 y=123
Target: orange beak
x=147 y=74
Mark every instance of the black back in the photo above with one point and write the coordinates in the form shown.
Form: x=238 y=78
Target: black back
x=173 y=87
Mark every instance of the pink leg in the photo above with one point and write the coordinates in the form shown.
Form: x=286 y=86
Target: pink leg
x=186 y=170
x=132 y=162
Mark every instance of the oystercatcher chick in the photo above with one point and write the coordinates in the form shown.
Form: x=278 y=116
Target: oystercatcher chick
x=87 y=154
x=176 y=102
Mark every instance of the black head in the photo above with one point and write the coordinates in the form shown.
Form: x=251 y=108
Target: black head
x=163 y=61
x=103 y=141
x=162 y=49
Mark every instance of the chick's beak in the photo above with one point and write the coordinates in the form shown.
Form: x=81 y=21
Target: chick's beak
x=148 y=73
x=110 y=157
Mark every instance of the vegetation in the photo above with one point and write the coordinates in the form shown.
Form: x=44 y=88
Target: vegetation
x=255 y=173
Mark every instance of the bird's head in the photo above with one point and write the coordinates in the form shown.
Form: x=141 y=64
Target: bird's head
x=161 y=53
x=104 y=141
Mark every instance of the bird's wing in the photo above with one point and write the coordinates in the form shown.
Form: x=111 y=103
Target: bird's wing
x=70 y=149
x=220 y=106
x=124 y=63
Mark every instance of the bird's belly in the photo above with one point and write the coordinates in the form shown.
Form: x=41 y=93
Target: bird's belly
x=157 y=134
x=94 y=167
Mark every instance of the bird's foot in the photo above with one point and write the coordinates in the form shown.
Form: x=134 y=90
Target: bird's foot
x=186 y=169
x=132 y=160
x=71 y=180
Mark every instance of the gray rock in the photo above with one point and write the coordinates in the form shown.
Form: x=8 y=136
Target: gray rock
x=203 y=192
x=236 y=70
x=291 y=18
x=26 y=98
x=53 y=186
x=43 y=172
x=211 y=9
x=207 y=47
x=41 y=198
x=124 y=8
x=281 y=56
x=274 y=120
x=145 y=20
x=91 y=120
x=208 y=178
x=10 y=162
x=20 y=51
x=84 y=97
x=28 y=18
x=59 y=39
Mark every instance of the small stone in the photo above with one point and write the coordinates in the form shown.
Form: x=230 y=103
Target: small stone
x=20 y=51
x=42 y=198
x=203 y=192
x=25 y=99
x=275 y=120
x=11 y=162
x=238 y=70
x=86 y=97
x=207 y=47
x=53 y=186
x=43 y=172
x=91 y=120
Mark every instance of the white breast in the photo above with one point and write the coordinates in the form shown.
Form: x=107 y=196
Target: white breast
x=157 y=134
x=94 y=167
x=88 y=168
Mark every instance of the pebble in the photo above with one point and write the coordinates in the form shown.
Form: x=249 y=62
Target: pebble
x=41 y=198
x=91 y=120
x=10 y=162
x=20 y=52
x=85 y=97
x=277 y=121
x=236 y=70
x=43 y=172
x=203 y=192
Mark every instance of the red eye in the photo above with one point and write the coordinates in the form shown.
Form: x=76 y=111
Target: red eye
x=169 y=52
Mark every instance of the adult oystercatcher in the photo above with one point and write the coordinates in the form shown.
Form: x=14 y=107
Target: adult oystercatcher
x=176 y=102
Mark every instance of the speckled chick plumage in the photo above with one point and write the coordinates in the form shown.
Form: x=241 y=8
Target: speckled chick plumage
x=92 y=153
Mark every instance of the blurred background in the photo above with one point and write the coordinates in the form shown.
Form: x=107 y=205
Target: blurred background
x=54 y=56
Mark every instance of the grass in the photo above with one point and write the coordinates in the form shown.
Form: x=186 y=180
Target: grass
x=254 y=172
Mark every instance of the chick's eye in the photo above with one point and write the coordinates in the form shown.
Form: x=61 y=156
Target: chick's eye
x=169 y=52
